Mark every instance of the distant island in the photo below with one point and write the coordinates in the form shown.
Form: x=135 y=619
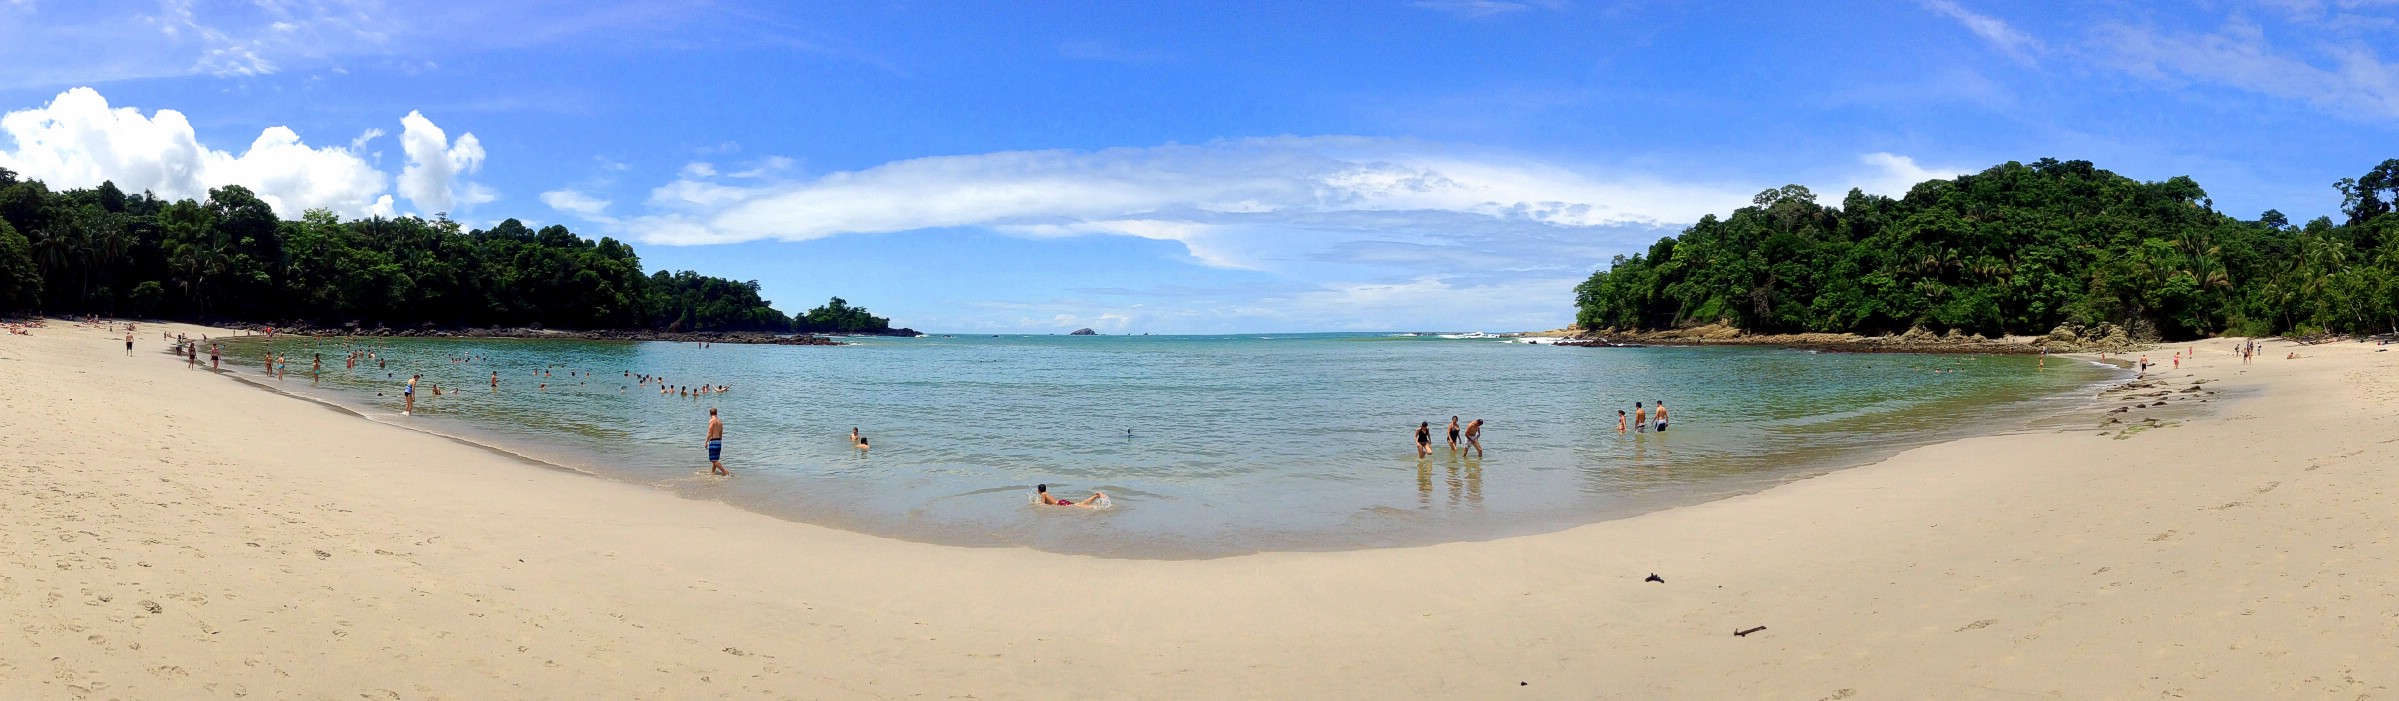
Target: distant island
x=2016 y=249
x=231 y=259
x=1084 y=332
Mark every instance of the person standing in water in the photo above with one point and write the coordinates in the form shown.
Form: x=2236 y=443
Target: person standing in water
x=1424 y=439
x=1474 y=436
x=1620 y=427
x=716 y=444
x=1453 y=434
x=1661 y=416
x=408 y=394
x=1640 y=418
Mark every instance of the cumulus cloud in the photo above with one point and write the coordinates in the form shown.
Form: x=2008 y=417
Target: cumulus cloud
x=431 y=180
x=78 y=140
x=1994 y=31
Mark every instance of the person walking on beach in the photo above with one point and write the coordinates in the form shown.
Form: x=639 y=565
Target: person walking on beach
x=1453 y=434
x=716 y=444
x=1474 y=437
x=212 y=356
x=408 y=394
x=1661 y=416
x=1424 y=439
x=1640 y=418
x=129 y=340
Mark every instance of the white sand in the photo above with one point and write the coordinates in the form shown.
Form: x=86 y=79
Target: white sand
x=166 y=533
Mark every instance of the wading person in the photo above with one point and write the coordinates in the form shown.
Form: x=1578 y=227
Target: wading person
x=1640 y=418
x=1453 y=434
x=408 y=394
x=716 y=444
x=1474 y=437
x=1424 y=438
x=1661 y=416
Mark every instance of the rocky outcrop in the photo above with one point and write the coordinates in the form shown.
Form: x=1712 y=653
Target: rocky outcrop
x=2077 y=338
x=1084 y=332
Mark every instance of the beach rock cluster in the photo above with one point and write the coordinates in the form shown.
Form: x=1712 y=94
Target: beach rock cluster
x=2074 y=338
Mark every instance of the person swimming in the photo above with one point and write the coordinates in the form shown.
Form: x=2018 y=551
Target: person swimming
x=1043 y=491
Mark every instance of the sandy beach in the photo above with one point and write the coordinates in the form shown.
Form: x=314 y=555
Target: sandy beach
x=170 y=533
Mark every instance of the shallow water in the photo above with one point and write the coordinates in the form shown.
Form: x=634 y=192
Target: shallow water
x=1209 y=445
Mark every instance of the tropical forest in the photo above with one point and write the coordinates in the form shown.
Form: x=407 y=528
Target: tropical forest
x=231 y=258
x=2017 y=249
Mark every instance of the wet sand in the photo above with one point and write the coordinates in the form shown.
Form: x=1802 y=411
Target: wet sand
x=168 y=533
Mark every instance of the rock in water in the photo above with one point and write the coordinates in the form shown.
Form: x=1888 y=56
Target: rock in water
x=1084 y=332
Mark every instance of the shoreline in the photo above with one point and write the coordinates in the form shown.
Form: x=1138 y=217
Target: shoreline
x=169 y=539
x=2001 y=418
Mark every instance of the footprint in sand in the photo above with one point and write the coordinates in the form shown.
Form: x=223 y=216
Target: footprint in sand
x=2162 y=536
x=1978 y=625
x=150 y=606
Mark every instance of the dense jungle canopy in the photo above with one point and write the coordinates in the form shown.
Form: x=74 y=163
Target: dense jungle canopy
x=2017 y=249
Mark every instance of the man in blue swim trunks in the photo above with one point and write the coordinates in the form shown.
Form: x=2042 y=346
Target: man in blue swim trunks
x=716 y=444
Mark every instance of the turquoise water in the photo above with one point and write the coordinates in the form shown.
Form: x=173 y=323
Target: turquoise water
x=1236 y=443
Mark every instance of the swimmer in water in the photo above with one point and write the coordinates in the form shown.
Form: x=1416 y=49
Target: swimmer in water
x=1044 y=491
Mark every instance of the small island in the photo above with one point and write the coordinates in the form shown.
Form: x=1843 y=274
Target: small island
x=1084 y=332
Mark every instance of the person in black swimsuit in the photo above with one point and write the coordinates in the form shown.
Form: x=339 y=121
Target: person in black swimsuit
x=1453 y=434
x=1424 y=438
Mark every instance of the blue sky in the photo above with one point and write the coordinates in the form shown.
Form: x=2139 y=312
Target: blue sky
x=1176 y=167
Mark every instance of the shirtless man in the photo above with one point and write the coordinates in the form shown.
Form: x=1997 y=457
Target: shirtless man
x=1661 y=416
x=1640 y=418
x=1474 y=436
x=1424 y=438
x=1453 y=434
x=129 y=339
x=212 y=356
x=716 y=444
x=1044 y=491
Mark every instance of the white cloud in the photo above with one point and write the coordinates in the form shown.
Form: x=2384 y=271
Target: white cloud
x=1258 y=182
x=2007 y=39
x=574 y=202
x=1892 y=175
x=431 y=179
x=78 y=140
x=2357 y=83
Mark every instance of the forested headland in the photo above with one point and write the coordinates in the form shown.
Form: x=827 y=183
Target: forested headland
x=2017 y=249
x=230 y=258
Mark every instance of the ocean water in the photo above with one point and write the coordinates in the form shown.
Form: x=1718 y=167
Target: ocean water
x=1207 y=445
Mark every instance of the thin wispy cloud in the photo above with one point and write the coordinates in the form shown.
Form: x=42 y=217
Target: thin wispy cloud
x=1485 y=8
x=2350 y=80
x=1992 y=30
